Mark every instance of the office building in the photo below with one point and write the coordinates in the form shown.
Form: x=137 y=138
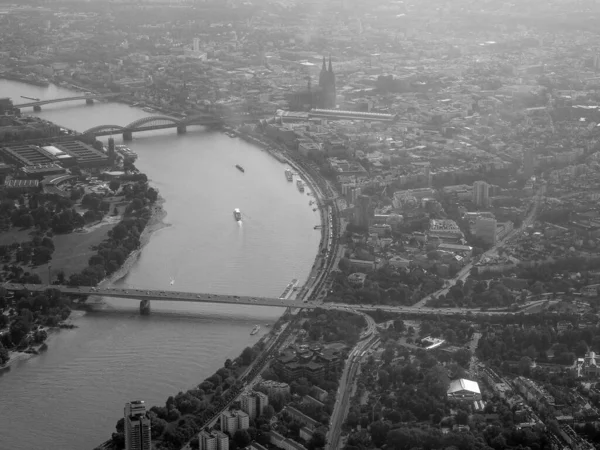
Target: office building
x=213 y=440
x=254 y=403
x=485 y=229
x=528 y=163
x=481 y=193
x=231 y=421
x=196 y=45
x=363 y=211
x=137 y=426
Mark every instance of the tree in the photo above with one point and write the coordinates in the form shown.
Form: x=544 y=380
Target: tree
x=114 y=185
x=242 y=438
x=268 y=412
x=379 y=431
x=4 y=357
x=317 y=441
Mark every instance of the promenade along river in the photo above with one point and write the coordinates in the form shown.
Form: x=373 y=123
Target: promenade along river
x=71 y=396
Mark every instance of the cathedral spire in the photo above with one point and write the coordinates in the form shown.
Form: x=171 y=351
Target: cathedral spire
x=330 y=68
x=324 y=66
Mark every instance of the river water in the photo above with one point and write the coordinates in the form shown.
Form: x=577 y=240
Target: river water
x=71 y=396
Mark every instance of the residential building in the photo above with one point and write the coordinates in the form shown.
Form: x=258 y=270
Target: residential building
x=136 y=426
x=206 y=441
x=213 y=440
x=254 y=403
x=278 y=440
x=301 y=417
x=274 y=387
x=481 y=193
x=485 y=229
x=231 y=421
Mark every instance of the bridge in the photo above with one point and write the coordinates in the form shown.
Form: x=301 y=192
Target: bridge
x=162 y=122
x=146 y=296
x=89 y=99
x=164 y=296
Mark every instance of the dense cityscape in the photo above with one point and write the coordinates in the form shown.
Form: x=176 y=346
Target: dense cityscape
x=450 y=151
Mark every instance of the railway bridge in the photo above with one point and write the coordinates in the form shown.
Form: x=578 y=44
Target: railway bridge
x=162 y=122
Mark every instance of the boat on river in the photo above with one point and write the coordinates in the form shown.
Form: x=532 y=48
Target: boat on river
x=289 y=175
x=237 y=214
x=255 y=330
x=300 y=185
x=240 y=168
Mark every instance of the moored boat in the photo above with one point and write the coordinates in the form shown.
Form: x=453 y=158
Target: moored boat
x=289 y=175
x=300 y=185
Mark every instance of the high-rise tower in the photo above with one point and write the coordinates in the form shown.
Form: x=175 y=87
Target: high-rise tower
x=137 y=426
x=481 y=193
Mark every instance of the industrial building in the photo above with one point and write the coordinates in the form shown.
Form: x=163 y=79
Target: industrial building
x=85 y=155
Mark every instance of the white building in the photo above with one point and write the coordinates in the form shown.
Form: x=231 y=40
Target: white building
x=463 y=389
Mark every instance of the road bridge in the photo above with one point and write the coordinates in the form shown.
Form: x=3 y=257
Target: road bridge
x=155 y=295
x=89 y=99
x=146 y=296
x=163 y=122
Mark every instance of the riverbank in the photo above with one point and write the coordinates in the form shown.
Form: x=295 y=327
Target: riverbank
x=156 y=223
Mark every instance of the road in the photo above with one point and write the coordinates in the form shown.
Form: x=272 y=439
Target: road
x=342 y=403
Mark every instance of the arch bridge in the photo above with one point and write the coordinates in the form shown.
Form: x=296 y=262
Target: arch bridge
x=158 y=122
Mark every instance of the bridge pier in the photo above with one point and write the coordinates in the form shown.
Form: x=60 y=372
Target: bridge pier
x=145 y=307
x=181 y=129
x=127 y=136
x=37 y=108
x=89 y=101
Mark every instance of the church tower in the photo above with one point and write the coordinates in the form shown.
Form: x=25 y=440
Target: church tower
x=323 y=75
x=327 y=86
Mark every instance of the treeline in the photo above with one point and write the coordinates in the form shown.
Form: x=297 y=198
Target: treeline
x=384 y=286
x=184 y=415
x=332 y=326
x=543 y=344
x=30 y=312
x=123 y=239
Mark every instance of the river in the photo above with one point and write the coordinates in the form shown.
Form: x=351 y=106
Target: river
x=71 y=396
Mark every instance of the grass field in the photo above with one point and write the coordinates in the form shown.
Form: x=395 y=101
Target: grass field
x=72 y=251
